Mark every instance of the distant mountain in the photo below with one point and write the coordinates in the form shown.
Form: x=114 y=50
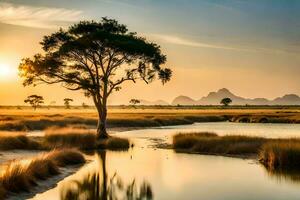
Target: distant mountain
x=149 y=103
x=289 y=99
x=183 y=100
x=214 y=98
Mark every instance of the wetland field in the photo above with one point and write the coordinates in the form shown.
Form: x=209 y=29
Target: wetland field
x=165 y=153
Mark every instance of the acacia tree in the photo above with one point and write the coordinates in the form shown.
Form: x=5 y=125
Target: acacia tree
x=34 y=100
x=226 y=101
x=134 y=102
x=67 y=102
x=96 y=57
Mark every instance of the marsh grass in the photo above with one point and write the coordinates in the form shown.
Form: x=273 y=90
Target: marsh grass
x=279 y=155
x=81 y=138
x=13 y=119
x=65 y=157
x=16 y=140
x=211 y=143
x=38 y=121
x=22 y=175
x=70 y=137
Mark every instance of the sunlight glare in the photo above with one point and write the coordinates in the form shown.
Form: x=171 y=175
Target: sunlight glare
x=6 y=72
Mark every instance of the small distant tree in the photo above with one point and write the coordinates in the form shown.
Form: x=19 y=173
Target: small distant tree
x=84 y=105
x=67 y=102
x=34 y=100
x=134 y=102
x=226 y=101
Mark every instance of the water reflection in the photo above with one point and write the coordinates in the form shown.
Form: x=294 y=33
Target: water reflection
x=96 y=185
x=291 y=175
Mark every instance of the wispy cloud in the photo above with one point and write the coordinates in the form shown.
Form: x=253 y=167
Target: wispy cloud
x=182 y=41
x=186 y=42
x=40 y=17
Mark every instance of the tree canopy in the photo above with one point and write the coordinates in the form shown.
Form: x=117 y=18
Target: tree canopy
x=226 y=101
x=34 y=100
x=67 y=102
x=96 y=57
x=90 y=53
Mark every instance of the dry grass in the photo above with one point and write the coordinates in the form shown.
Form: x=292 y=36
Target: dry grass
x=82 y=139
x=70 y=137
x=22 y=175
x=66 y=157
x=276 y=154
x=27 y=119
x=279 y=155
x=210 y=143
x=16 y=140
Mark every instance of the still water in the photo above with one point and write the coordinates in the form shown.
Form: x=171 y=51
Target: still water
x=145 y=172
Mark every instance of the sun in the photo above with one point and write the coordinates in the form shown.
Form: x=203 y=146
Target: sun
x=6 y=72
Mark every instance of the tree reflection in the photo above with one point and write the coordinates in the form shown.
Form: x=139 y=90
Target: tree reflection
x=97 y=186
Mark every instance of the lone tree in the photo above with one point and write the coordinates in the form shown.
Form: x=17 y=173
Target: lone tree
x=67 y=102
x=84 y=105
x=134 y=102
x=226 y=101
x=34 y=100
x=96 y=57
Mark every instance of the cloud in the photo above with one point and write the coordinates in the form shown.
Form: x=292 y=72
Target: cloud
x=181 y=41
x=40 y=17
x=186 y=42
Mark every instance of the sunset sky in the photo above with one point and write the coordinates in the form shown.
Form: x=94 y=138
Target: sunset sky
x=251 y=47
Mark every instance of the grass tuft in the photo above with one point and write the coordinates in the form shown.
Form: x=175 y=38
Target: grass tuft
x=16 y=140
x=70 y=137
x=65 y=157
x=281 y=155
x=210 y=143
x=82 y=139
x=22 y=175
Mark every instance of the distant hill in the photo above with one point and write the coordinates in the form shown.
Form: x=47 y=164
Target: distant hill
x=214 y=98
x=183 y=100
x=158 y=102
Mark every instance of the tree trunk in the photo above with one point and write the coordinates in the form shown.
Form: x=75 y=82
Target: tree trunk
x=101 y=127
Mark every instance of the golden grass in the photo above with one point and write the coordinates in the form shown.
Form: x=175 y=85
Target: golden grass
x=65 y=157
x=210 y=143
x=276 y=154
x=16 y=140
x=279 y=155
x=27 y=119
x=70 y=137
x=82 y=139
x=22 y=175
